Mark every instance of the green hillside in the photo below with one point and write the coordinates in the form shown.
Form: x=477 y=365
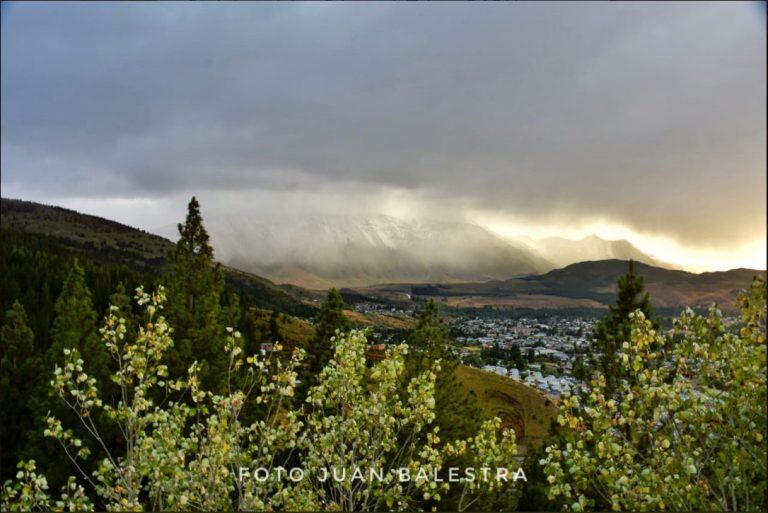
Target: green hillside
x=519 y=406
x=30 y=226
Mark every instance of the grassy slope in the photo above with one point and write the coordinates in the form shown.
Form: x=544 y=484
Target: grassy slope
x=500 y=396
x=365 y=319
x=83 y=232
x=292 y=329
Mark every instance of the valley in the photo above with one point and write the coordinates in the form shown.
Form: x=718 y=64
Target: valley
x=535 y=311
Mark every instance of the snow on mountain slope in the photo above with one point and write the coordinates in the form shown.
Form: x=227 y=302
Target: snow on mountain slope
x=323 y=250
x=320 y=251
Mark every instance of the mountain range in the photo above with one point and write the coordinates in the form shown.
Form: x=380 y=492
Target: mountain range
x=593 y=284
x=561 y=252
x=585 y=284
x=320 y=251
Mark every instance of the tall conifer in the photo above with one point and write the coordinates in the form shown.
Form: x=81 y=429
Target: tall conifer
x=611 y=332
x=456 y=411
x=331 y=318
x=20 y=372
x=75 y=327
x=195 y=290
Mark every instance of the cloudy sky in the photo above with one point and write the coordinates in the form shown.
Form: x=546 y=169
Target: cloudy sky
x=645 y=121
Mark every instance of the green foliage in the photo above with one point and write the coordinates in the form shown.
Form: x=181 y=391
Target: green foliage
x=579 y=370
x=181 y=456
x=30 y=493
x=21 y=365
x=36 y=258
x=516 y=356
x=274 y=329
x=75 y=324
x=74 y=328
x=33 y=271
x=686 y=427
x=611 y=332
x=122 y=301
x=457 y=413
x=196 y=288
x=330 y=320
x=534 y=492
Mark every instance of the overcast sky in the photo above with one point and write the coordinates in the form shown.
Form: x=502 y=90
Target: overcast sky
x=640 y=120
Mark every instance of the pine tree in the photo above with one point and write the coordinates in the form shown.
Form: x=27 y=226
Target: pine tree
x=611 y=332
x=20 y=372
x=456 y=412
x=195 y=313
x=331 y=318
x=274 y=328
x=517 y=358
x=579 y=371
x=75 y=327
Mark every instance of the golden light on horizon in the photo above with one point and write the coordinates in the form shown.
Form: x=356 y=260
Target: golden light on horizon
x=750 y=254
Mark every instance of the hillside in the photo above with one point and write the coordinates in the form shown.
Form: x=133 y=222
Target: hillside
x=525 y=409
x=293 y=330
x=668 y=288
x=583 y=285
x=86 y=236
x=84 y=232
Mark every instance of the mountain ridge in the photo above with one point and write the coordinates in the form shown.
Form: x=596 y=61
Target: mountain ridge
x=335 y=250
x=321 y=250
x=101 y=238
x=595 y=282
x=562 y=252
x=581 y=284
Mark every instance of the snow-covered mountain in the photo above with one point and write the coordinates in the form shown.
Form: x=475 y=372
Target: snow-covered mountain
x=319 y=251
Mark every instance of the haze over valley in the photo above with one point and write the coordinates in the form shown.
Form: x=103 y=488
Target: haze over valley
x=391 y=262
x=320 y=250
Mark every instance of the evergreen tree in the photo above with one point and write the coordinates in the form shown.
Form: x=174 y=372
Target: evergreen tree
x=20 y=372
x=611 y=332
x=75 y=327
x=274 y=328
x=195 y=293
x=319 y=347
x=456 y=413
x=579 y=370
x=517 y=358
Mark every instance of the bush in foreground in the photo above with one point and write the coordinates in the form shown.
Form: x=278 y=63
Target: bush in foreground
x=686 y=430
x=185 y=448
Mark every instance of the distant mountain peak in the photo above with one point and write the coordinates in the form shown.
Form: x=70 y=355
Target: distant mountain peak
x=562 y=252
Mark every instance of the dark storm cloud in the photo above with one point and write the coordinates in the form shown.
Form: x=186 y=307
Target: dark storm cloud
x=649 y=114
